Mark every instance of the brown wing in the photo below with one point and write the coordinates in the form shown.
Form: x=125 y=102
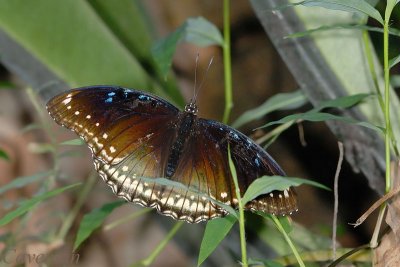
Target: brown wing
x=112 y=120
x=130 y=134
x=204 y=166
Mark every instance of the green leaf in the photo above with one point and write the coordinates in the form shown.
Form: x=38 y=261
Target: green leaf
x=215 y=232
x=198 y=31
x=164 y=50
x=267 y=184
x=363 y=27
x=40 y=148
x=73 y=142
x=321 y=116
x=357 y=6
x=201 y=32
x=4 y=155
x=93 y=220
x=73 y=41
x=26 y=205
x=315 y=116
x=281 y=101
x=30 y=127
x=342 y=102
x=22 y=181
x=394 y=61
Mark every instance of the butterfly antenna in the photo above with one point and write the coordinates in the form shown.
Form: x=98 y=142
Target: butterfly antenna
x=195 y=79
x=204 y=78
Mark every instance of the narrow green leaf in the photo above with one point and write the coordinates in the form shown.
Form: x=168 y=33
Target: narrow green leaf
x=23 y=181
x=198 y=31
x=25 y=206
x=73 y=142
x=7 y=85
x=30 y=127
x=322 y=116
x=394 y=61
x=267 y=184
x=342 y=102
x=164 y=50
x=283 y=101
x=202 y=32
x=41 y=148
x=357 y=6
x=363 y=27
x=215 y=232
x=284 y=220
x=389 y=8
x=93 y=220
x=4 y=155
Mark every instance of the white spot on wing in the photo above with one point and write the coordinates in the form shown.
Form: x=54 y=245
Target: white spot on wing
x=88 y=117
x=105 y=136
x=66 y=101
x=286 y=193
x=76 y=112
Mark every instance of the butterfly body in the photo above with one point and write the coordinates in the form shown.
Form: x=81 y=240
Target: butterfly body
x=135 y=137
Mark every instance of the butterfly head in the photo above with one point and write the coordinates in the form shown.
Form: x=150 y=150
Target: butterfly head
x=191 y=108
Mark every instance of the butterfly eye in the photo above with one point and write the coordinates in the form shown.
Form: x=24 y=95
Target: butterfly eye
x=153 y=103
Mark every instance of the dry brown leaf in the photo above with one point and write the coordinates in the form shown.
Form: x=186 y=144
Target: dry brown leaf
x=393 y=215
x=387 y=254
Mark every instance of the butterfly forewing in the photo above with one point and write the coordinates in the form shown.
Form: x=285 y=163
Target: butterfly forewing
x=135 y=137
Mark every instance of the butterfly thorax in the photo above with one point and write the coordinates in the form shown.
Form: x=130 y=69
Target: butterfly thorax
x=184 y=128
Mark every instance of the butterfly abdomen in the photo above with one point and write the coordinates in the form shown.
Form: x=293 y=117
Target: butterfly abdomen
x=184 y=125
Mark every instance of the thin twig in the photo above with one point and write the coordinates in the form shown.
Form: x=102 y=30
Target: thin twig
x=336 y=196
x=378 y=203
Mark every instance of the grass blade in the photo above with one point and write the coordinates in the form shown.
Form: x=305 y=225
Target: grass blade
x=394 y=61
x=215 y=232
x=277 y=102
x=73 y=142
x=25 y=206
x=3 y=155
x=266 y=184
x=356 y=6
x=22 y=181
x=93 y=220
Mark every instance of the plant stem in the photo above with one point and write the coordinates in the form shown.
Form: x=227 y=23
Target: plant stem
x=149 y=260
x=288 y=240
x=242 y=230
x=387 y=100
x=67 y=222
x=125 y=219
x=227 y=62
x=241 y=210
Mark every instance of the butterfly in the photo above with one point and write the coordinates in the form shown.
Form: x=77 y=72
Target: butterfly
x=135 y=135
